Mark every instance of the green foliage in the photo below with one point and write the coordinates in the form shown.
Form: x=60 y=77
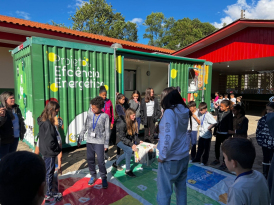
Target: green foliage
x=169 y=33
x=58 y=24
x=98 y=17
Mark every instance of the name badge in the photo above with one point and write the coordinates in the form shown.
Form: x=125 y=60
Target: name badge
x=92 y=134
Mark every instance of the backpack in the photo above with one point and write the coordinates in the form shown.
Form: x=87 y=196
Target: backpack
x=263 y=136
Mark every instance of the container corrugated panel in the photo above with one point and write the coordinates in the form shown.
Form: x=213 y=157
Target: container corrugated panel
x=179 y=74
x=70 y=73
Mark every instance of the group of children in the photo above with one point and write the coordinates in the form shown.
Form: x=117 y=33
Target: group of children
x=102 y=127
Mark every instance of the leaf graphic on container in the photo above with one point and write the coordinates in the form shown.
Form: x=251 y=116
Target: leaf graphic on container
x=106 y=86
x=53 y=87
x=72 y=138
x=52 y=57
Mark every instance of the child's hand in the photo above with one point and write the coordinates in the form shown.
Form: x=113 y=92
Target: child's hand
x=159 y=160
x=134 y=148
x=141 y=142
x=59 y=170
x=78 y=144
x=106 y=149
x=111 y=126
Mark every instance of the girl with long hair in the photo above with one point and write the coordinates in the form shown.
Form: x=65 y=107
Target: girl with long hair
x=127 y=129
x=150 y=114
x=135 y=104
x=49 y=146
x=173 y=149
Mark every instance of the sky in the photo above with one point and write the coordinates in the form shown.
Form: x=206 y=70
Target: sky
x=215 y=12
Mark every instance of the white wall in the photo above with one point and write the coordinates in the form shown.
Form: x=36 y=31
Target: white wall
x=157 y=80
x=6 y=68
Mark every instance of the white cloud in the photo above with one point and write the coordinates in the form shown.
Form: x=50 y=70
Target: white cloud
x=23 y=14
x=138 y=21
x=78 y=3
x=257 y=9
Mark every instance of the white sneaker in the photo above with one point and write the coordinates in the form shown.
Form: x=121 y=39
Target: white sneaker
x=190 y=161
x=117 y=156
x=202 y=164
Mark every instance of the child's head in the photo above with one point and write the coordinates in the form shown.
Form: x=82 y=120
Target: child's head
x=165 y=92
x=22 y=179
x=149 y=95
x=50 y=111
x=238 y=153
x=270 y=107
x=97 y=104
x=271 y=99
x=131 y=121
x=192 y=106
x=217 y=94
x=226 y=105
x=202 y=107
x=120 y=99
x=103 y=92
x=232 y=95
x=238 y=110
x=226 y=96
x=239 y=98
x=136 y=95
x=221 y=96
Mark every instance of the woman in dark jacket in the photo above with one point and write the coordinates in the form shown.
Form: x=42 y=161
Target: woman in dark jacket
x=127 y=129
x=12 y=126
x=150 y=113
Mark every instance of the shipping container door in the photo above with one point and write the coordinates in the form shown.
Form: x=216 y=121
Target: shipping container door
x=72 y=76
x=192 y=79
x=23 y=90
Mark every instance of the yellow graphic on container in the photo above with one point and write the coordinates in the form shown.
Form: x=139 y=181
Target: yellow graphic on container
x=119 y=64
x=72 y=138
x=173 y=73
x=191 y=181
x=53 y=87
x=52 y=57
x=206 y=74
x=195 y=95
x=106 y=86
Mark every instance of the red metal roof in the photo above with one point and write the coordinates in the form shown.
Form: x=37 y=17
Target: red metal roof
x=98 y=38
x=227 y=43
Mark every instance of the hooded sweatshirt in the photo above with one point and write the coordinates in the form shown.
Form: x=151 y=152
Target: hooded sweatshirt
x=108 y=109
x=48 y=143
x=173 y=141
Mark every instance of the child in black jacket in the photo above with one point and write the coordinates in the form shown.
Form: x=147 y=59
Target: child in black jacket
x=224 y=124
x=49 y=146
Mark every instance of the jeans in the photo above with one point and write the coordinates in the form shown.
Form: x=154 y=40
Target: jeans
x=193 y=137
x=267 y=155
x=126 y=155
x=169 y=173
x=100 y=151
x=50 y=168
x=138 y=119
x=8 y=148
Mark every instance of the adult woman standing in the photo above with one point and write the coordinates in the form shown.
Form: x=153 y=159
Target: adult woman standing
x=173 y=149
x=12 y=126
x=150 y=113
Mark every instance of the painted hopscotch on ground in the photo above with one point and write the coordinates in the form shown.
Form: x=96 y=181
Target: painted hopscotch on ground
x=205 y=185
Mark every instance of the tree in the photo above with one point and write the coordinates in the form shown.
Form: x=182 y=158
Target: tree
x=58 y=24
x=98 y=17
x=169 y=33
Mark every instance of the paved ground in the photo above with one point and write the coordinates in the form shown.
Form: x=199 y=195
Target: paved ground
x=75 y=158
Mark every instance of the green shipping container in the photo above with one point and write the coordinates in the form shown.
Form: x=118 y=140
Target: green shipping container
x=71 y=73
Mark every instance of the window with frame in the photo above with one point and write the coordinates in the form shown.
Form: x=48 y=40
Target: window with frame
x=130 y=80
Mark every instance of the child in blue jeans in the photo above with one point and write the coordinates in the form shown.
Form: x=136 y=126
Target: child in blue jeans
x=192 y=133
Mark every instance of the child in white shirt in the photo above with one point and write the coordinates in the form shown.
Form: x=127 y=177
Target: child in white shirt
x=232 y=98
x=250 y=186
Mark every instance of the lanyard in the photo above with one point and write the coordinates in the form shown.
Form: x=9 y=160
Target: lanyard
x=203 y=119
x=243 y=174
x=94 y=125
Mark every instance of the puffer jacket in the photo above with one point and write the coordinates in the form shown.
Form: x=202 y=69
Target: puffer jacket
x=6 y=125
x=121 y=133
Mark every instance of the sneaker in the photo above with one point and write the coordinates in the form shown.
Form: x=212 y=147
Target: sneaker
x=190 y=161
x=117 y=167
x=130 y=173
x=92 y=181
x=58 y=196
x=202 y=164
x=222 y=167
x=216 y=162
x=104 y=183
x=49 y=199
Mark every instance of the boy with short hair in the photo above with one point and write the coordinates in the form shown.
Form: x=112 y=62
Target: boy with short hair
x=22 y=179
x=207 y=122
x=232 y=98
x=225 y=97
x=250 y=186
x=192 y=133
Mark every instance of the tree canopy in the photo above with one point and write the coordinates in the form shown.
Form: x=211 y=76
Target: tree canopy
x=169 y=33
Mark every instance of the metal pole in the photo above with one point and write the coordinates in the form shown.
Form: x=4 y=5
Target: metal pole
x=203 y=91
x=168 y=75
x=115 y=74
